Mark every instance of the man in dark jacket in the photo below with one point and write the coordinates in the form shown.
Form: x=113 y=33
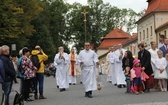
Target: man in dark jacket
x=145 y=58
x=9 y=72
x=2 y=77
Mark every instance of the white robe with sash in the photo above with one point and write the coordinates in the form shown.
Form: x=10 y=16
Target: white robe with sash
x=89 y=58
x=62 y=66
x=72 y=78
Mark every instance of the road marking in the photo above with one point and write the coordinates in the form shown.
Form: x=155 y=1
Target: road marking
x=151 y=103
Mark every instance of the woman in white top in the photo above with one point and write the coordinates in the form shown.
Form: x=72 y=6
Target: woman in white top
x=154 y=56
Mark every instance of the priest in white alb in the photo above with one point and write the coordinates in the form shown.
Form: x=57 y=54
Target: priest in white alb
x=112 y=66
x=118 y=56
x=61 y=61
x=88 y=59
x=108 y=66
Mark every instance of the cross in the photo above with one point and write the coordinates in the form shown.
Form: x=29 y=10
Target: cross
x=84 y=14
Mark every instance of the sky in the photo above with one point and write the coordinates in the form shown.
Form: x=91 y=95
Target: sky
x=136 y=5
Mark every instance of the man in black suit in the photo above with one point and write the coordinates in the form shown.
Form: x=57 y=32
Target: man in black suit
x=145 y=58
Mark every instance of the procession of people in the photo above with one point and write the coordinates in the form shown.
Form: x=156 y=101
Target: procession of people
x=138 y=74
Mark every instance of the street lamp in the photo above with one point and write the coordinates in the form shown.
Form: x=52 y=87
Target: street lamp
x=84 y=14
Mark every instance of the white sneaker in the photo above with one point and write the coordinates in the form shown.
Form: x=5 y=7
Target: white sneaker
x=165 y=89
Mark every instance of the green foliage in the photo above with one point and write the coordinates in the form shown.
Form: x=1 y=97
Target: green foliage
x=15 y=21
x=54 y=23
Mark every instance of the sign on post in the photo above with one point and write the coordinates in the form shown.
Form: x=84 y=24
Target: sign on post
x=13 y=47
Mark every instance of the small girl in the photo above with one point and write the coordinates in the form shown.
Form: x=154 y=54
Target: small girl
x=136 y=77
x=161 y=73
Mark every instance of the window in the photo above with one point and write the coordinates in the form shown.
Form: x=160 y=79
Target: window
x=143 y=34
x=147 y=33
x=140 y=35
x=151 y=31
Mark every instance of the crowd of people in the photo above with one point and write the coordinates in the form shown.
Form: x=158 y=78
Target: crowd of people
x=69 y=65
x=137 y=74
x=149 y=70
x=31 y=75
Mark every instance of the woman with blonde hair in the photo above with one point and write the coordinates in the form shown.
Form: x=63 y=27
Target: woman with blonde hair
x=154 y=56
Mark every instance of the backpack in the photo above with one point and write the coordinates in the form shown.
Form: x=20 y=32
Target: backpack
x=35 y=61
x=20 y=69
x=18 y=100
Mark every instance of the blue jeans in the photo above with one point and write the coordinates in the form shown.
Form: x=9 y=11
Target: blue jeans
x=7 y=86
x=39 y=80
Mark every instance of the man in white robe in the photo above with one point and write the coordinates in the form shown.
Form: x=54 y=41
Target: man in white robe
x=103 y=68
x=62 y=60
x=119 y=54
x=72 y=67
x=108 y=66
x=112 y=66
x=79 y=70
x=88 y=59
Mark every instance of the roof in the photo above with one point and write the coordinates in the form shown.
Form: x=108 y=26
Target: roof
x=117 y=33
x=105 y=44
x=130 y=40
x=116 y=37
x=163 y=25
x=155 y=6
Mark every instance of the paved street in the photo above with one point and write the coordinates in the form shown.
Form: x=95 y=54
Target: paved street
x=109 y=95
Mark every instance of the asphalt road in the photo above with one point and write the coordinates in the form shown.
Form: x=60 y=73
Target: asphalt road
x=109 y=95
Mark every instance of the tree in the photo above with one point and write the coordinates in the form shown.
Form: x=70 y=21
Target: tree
x=101 y=19
x=15 y=21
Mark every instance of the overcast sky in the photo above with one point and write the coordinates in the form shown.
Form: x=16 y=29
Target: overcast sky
x=136 y=5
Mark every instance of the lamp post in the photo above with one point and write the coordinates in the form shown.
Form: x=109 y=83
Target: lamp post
x=84 y=14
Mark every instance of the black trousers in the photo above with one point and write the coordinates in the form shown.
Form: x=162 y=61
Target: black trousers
x=26 y=87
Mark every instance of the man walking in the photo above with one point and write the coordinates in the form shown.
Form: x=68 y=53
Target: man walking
x=61 y=61
x=72 y=67
x=39 y=79
x=120 y=77
x=9 y=72
x=88 y=59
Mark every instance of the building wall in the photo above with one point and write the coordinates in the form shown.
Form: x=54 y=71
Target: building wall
x=101 y=51
x=161 y=18
x=133 y=47
x=163 y=31
x=146 y=27
x=146 y=30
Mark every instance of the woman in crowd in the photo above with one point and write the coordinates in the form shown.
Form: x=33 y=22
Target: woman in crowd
x=127 y=64
x=29 y=73
x=154 y=56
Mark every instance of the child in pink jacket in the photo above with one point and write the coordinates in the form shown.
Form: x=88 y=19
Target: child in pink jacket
x=136 y=73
